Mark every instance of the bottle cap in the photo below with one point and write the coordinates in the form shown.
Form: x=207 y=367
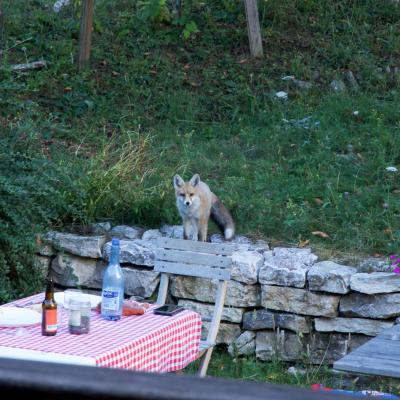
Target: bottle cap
x=115 y=242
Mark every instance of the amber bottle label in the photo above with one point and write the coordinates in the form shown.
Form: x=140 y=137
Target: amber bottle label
x=51 y=320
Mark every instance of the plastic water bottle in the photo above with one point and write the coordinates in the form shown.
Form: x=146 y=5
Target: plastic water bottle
x=113 y=286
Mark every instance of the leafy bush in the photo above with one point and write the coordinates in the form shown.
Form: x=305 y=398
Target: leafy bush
x=38 y=193
x=30 y=199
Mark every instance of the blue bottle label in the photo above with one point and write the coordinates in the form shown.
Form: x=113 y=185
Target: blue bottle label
x=110 y=300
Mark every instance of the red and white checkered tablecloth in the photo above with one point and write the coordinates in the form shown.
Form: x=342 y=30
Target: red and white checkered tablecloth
x=148 y=342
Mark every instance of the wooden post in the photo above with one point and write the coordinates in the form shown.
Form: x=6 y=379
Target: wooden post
x=85 y=36
x=253 y=27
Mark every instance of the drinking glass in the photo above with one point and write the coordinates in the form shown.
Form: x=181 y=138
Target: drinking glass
x=69 y=295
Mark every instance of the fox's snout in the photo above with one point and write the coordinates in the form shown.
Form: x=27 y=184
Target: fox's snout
x=186 y=200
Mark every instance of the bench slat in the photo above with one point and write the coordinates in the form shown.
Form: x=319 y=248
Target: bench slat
x=197 y=270
x=202 y=247
x=191 y=257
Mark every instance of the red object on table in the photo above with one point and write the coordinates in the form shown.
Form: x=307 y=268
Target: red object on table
x=148 y=342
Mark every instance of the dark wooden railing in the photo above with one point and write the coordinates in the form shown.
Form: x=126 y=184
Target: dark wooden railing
x=31 y=380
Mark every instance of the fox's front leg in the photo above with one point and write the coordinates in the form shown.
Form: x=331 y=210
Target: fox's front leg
x=203 y=224
x=190 y=231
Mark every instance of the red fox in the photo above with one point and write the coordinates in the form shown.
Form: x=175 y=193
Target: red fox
x=196 y=203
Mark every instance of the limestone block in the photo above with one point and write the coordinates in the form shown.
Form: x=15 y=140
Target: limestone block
x=245 y=266
x=200 y=289
x=370 y=306
x=376 y=282
x=230 y=314
x=244 y=345
x=286 y=266
x=83 y=246
x=368 y=327
x=299 y=301
x=74 y=271
x=137 y=252
x=265 y=319
x=140 y=282
x=330 y=277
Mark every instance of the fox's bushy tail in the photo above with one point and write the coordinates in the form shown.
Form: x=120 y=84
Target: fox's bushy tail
x=221 y=216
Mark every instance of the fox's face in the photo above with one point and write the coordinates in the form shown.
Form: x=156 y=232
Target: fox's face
x=186 y=192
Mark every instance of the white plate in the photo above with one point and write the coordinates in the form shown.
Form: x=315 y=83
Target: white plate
x=94 y=300
x=15 y=316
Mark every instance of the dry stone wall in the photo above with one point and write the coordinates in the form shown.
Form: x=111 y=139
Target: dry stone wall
x=281 y=303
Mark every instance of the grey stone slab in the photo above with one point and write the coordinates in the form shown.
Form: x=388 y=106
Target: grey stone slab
x=286 y=267
x=369 y=327
x=331 y=277
x=204 y=290
x=375 y=282
x=369 y=265
x=83 y=246
x=126 y=232
x=381 y=306
x=245 y=266
x=140 y=282
x=136 y=252
x=172 y=231
x=280 y=345
x=151 y=234
x=244 y=345
x=299 y=301
x=227 y=333
x=265 y=319
x=229 y=314
x=74 y=271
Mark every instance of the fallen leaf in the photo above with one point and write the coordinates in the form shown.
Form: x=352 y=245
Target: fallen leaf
x=115 y=73
x=318 y=201
x=304 y=243
x=67 y=89
x=388 y=231
x=242 y=61
x=320 y=234
x=186 y=66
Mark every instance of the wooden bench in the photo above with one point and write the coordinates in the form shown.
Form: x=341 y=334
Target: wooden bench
x=202 y=260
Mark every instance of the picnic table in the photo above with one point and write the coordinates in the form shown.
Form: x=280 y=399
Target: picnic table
x=149 y=342
x=379 y=356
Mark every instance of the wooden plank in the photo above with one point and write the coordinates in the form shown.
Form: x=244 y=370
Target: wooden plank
x=163 y=290
x=202 y=247
x=368 y=365
x=253 y=28
x=192 y=257
x=31 y=380
x=380 y=348
x=379 y=356
x=85 y=36
x=200 y=271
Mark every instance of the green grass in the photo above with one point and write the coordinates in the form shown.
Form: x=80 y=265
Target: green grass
x=208 y=108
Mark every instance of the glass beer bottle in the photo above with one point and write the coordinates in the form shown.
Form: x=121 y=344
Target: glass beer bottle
x=49 y=311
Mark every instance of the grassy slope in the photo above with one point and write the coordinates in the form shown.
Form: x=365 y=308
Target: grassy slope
x=210 y=109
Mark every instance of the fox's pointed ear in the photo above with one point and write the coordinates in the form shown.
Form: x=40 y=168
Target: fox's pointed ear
x=195 y=180
x=178 y=182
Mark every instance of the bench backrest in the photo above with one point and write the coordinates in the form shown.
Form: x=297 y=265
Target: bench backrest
x=198 y=259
